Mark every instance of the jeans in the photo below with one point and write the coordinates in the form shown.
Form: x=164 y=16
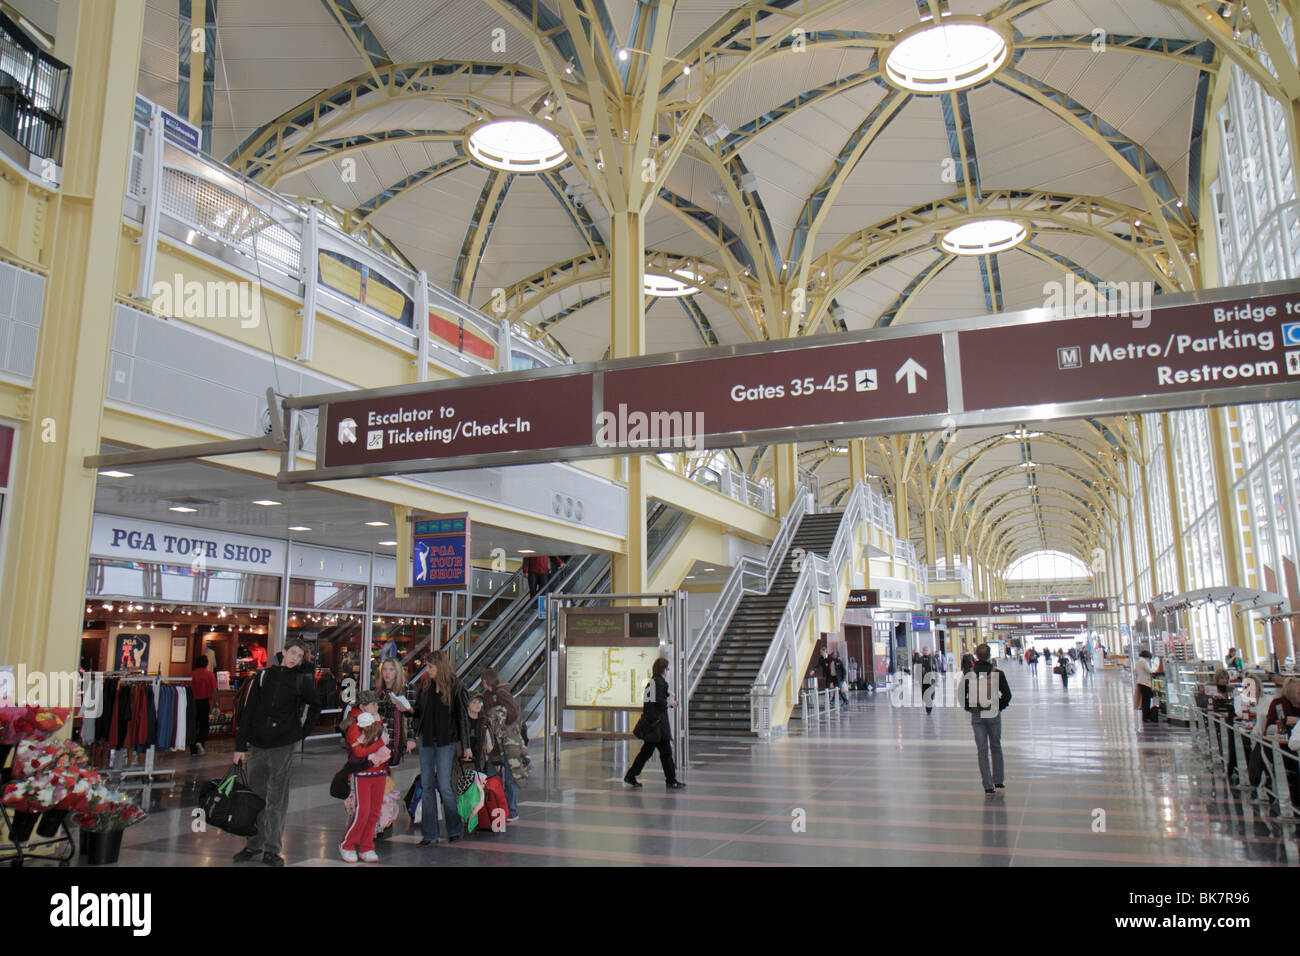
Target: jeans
x=512 y=788
x=202 y=717
x=269 y=773
x=436 y=767
x=988 y=741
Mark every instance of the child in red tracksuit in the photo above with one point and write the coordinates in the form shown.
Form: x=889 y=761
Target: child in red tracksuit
x=368 y=751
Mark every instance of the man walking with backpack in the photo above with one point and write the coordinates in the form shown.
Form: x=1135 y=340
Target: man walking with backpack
x=985 y=694
x=281 y=709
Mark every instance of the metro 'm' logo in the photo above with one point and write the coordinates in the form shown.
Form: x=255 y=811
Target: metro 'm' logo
x=1069 y=357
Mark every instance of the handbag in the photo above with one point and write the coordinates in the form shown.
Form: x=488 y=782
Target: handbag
x=647 y=729
x=229 y=804
x=341 y=785
x=463 y=777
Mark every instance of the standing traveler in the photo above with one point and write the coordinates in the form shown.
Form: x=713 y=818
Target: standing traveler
x=928 y=680
x=281 y=708
x=368 y=754
x=838 y=675
x=1142 y=685
x=394 y=708
x=658 y=698
x=1031 y=658
x=984 y=697
x=1063 y=667
x=441 y=725
x=503 y=714
x=538 y=567
x=204 y=685
x=967 y=661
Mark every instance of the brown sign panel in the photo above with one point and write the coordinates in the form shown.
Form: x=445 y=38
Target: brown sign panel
x=471 y=420
x=1196 y=347
x=1080 y=605
x=864 y=597
x=858 y=381
x=1017 y=607
x=961 y=622
x=970 y=608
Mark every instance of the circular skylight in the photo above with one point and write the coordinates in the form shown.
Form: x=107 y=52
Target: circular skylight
x=984 y=237
x=681 y=282
x=953 y=55
x=517 y=146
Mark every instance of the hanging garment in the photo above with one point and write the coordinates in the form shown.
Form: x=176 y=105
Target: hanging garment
x=191 y=716
x=179 y=740
x=165 y=715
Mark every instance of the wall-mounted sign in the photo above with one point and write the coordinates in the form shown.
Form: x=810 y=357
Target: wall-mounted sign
x=199 y=548
x=440 y=552
x=920 y=623
x=608 y=655
x=863 y=597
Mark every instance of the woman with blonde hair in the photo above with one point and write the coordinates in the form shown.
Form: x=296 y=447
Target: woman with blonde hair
x=394 y=709
x=441 y=728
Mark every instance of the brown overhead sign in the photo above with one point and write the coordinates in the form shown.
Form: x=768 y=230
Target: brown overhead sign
x=999 y=608
x=1222 y=346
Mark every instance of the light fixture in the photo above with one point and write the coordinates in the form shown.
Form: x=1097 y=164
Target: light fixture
x=1021 y=434
x=377 y=524
x=299 y=527
x=568 y=68
x=516 y=146
x=389 y=543
x=984 y=237
x=956 y=54
x=181 y=509
x=622 y=53
x=116 y=474
x=680 y=282
x=527 y=551
x=266 y=502
x=686 y=70
x=1028 y=464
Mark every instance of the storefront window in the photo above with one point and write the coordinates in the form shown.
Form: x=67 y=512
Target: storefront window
x=334 y=641
x=326 y=595
x=179 y=583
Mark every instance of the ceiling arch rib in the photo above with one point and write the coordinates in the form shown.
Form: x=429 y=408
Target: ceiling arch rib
x=359 y=33
x=578 y=215
x=490 y=200
x=889 y=315
x=329 y=150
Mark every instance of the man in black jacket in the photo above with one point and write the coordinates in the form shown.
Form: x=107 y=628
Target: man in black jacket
x=281 y=709
x=986 y=714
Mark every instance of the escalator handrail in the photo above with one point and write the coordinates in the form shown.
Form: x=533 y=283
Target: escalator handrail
x=410 y=655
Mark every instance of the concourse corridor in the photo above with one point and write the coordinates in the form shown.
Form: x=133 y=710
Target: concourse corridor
x=881 y=785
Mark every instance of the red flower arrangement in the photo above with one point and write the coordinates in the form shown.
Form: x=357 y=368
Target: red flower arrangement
x=107 y=811
x=35 y=723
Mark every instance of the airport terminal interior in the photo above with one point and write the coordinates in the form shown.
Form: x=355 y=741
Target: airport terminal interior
x=636 y=432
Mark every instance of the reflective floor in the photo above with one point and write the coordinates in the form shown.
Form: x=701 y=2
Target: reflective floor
x=883 y=784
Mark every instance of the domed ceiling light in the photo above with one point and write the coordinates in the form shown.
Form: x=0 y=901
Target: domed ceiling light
x=984 y=237
x=516 y=146
x=680 y=283
x=956 y=54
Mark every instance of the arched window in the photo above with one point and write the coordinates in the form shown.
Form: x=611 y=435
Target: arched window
x=1047 y=566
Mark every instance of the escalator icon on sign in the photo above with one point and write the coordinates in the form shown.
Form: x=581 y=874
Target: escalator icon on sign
x=864 y=380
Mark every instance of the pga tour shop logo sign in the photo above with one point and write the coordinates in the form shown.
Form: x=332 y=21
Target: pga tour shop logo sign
x=1073 y=299
x=76 y=910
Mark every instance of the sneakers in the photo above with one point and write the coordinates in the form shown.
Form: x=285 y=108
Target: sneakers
x=631 y=781
x=244 y=855
x=989 y=790
x=370 y=856
x=1000 y=786
x=512 y=818
x=675 y=785
x=348 y=856
x=272 y=859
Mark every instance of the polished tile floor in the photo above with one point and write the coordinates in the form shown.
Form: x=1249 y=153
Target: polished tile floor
x=880 y=785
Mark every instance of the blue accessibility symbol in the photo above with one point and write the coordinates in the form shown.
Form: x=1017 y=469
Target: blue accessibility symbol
x=1291 y=333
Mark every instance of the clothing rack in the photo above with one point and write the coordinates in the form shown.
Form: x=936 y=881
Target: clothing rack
x=156 y=681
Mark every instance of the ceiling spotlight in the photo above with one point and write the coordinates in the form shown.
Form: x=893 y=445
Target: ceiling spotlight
x=116 y=474
x=377 y=524
x=568 y=68
x=686 y=70
x=266 y=502
x=181 y=509
x=299 y=527
x=389 y=544
x=622 y=53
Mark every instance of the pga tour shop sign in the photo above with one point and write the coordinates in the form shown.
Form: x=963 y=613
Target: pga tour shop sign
x=1215 y=347
x=133 y=540
x=440 y=552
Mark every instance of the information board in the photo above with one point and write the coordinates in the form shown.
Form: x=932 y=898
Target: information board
x=608 y=655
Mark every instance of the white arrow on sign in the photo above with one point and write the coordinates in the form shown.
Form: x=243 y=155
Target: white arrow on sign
x=911 y=368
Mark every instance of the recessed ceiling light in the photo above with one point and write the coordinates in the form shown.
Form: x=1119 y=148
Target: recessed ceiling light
x=708 y=570
x=984 y=237
x=299 y=527
x=116 y=474
x=516 y=146
x=389 y=543
x=527 y=551
x=956 y=54
x=266 y=502
x=681 y=282
x=377 y=524
x=182 y=509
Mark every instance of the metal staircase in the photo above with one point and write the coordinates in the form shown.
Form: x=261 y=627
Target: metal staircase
x=720 y=704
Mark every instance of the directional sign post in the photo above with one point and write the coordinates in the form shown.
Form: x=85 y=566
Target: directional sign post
x=1216 y=347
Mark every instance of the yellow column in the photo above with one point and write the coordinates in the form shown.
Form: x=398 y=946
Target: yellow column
x=857 y=462
x=45 y=564
x=1175 y=503
x=1146 y=503
x=901 y=529
x=1229 y=535
x=627 y=339
x=199 y=22
x=785 y=476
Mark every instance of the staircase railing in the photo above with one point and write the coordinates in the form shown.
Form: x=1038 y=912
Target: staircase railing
x=739 y=583
x=817 y=576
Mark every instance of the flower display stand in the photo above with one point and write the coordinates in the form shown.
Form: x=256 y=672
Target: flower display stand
x=17 y=848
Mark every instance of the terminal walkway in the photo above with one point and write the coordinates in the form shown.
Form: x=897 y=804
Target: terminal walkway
x=881 y=786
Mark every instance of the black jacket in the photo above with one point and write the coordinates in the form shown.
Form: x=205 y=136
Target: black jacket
x=427 y=701
x=970 y=699
x=282 y=708
x=659 y=706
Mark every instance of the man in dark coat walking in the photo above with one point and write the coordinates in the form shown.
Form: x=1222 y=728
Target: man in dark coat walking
x=985 y=694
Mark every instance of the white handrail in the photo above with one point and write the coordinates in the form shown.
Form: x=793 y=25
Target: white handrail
x=715 y=624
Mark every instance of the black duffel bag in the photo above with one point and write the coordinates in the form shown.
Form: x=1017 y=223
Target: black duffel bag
x=648 y=729
x=230 y=804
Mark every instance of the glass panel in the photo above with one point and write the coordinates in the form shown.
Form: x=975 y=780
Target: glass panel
x=326 y=595
x=179 y=583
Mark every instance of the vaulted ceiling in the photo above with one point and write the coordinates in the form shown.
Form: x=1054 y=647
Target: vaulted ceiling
x=807 y=166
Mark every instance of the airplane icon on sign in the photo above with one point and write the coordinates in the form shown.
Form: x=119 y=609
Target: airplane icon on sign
x=864 y=380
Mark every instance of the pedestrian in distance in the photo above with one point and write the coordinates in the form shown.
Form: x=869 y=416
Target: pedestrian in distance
x=929 y=679
x=441 y=726
x=538 y=569
x=658 y=699
x=1064 y=667
x=280 y=710
x=839 y=675
x=1031 y=658
x=1142 y=686
x=967 y=661
x=204 y=685
x=985 y=694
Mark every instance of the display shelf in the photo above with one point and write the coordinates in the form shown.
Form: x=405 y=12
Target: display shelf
x=1179 y=684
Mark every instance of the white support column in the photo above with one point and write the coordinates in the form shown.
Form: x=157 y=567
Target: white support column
x=153 y=177
x=310 y=247
x=422 y=326
x=503 y=347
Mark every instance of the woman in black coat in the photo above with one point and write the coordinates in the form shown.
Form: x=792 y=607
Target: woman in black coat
x=658 y=698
